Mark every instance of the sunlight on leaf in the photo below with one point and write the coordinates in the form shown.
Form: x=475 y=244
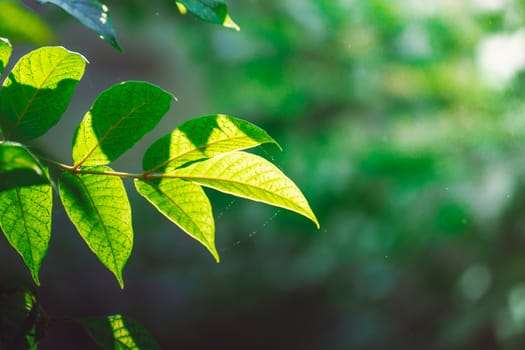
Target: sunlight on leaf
x=91 y=13
x=213 y=11
x=185 y=204
x=99 y=208
x=38 y=90
x=118 y=332
x=34 y=30
x=25 y=219
x=202 y=138
x=119 y=117
x=5 y=53
x=249 y=176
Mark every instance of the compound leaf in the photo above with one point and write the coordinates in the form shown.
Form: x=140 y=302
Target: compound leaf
x=25 y=219
x=213 y=11
x=99 y=208
x=19 y=167
x=119 y=117
x=5 y=53
x=249 y=176
x=38 y=90
x=116 y=333
x=22 y=25
x=202 y=138
x=185 y=204
x=91 y=13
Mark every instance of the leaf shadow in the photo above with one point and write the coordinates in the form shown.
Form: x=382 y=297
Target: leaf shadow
x=27 y=112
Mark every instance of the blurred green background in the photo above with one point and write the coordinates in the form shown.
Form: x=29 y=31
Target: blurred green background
x=403 y=122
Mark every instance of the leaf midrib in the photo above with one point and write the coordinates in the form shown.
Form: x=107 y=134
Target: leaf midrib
x=31 y=100
x=113 y=127
x=196 y=178
x=100 y=220
x=26 y=229
x=165 y=163
x=178 y=206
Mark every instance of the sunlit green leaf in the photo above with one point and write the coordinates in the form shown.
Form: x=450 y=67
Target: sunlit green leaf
x=38 y=90
x=184 y=203
x=22 y=25
x=202 y=138
x=5 y=53
x=214 y=11
x=18 y=167
x=118 y=333
x=91 y=13
x=25 y=219
x=249 y=176
x=99 y=208
x=120 y=117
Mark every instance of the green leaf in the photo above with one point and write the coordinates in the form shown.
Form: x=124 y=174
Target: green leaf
x=99 y=208
x=38 y=90
x=117 y=332
x=213 y=11
x=5 y=53
x=19 y=167
x=25 y=219
x=91 y=13
x=202 y=138
x=119 y=117
x=185 y=204
x=249 y=176
x=22 y=320
x=22 y=25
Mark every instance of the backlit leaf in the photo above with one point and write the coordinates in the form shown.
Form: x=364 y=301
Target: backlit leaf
x=117 y=332
x=99 y=208
x=91 y=13
x=185 y=204
x=249 y=176
x=214 y=11
x=5 y=53
x=18 y=167
x=202 y=138
x=22 y=25
x=119 y=117
x=25 y=219
x=38 y=90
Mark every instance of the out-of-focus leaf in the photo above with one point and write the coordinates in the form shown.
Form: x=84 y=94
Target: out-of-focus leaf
x=185 y=204
x=21 y=25
x=117 y=332
x=22 y=321
x=91 y=13
x=214 y=11
x=5 y=53
x=38 y=90
x=25 y=219
x=249 y=176
x=119 y=117
x=202 y=138
x=99 y=208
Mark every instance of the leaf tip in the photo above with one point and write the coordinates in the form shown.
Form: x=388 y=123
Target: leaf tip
x=229 y=23
x=34 y=274
x=214 y=252
x=120 y=281
x=182 y=9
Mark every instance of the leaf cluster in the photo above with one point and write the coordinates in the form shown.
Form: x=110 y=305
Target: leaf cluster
x=95 y=15
x=203 y=152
